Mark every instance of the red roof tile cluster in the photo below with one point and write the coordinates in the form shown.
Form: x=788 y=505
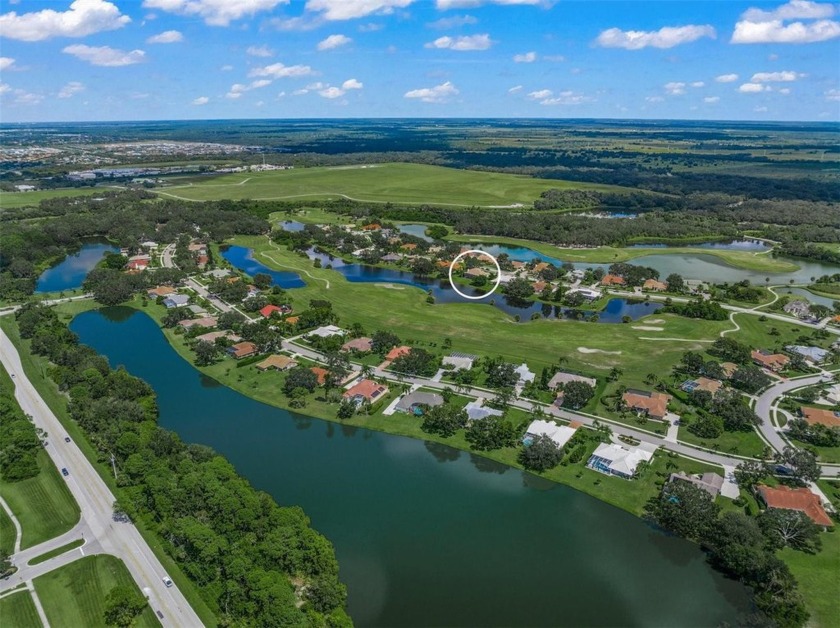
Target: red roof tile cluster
x=801 y=499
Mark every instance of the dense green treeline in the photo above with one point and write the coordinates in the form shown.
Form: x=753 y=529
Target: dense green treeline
x=20 y=441
x=30 y=238
x=256 y=563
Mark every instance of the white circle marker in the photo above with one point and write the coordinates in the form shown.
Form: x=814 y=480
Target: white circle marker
x=480 y=296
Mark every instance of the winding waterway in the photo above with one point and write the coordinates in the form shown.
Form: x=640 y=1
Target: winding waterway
x=427 y=535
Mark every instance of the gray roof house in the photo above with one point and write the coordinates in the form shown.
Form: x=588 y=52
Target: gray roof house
x=413 y=402
x=476 y=411
x=709 y=482
x=814 y=354
x=562 y=377
x=176 y=300
x=799 y=309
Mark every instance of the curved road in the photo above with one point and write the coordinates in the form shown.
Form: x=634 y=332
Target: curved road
x=101 y=533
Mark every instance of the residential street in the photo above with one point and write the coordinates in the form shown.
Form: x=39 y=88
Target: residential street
x=101 y=532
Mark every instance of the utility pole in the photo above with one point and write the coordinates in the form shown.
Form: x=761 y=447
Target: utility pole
x=114 y=466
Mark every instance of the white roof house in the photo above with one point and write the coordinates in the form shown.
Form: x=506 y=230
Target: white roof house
x=815 y=354
x=560 y=434
x=476 y=411
x=464 y=362
x=327 y=331
x=562 y=377
x=525 y=374
x=620 y=460
x=832 y=394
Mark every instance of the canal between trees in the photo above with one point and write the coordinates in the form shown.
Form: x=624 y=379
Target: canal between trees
x=427 y=535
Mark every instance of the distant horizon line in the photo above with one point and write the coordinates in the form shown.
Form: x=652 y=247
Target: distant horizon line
x=435 y=118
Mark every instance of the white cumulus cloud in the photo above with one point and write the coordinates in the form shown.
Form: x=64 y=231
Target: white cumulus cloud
x=698 y=84
x=540 y=94
x=214 y=12
x=776 y=77
x=82 y=18
x=727 y=78
x=455 y=21
x=444 y=5
x=259 y=51
x=666 y=37
x=278 y=70
x=437 y=94
x=337 y=10
x=753 y=88
x=462 y=43
x=6 y=63
x=567 y=97
x=333 y=41
x=70 y=89
x=352 y=84
x=832 y=95
x=675 y=88
x=201 y=100
x=514 y=89
x=785 y=25
x=166 y=37
x=527 y=57
x=105 y=55
x=711 y=99
x=331 y=92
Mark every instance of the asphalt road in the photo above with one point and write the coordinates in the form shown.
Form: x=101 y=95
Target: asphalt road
x=95 y=500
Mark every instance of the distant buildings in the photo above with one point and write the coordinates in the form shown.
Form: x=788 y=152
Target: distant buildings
x=655 y=286
x=711 y=386
x=362 y=345
x=176 y=300
x=709 y=482
x=460 y=361
x=613 y=280
x=812 y=354
x=476 y=411
x=799 y=309
x=415 y=402
x=277 y=362
x=366 y=390
x=242 y=350
x=563 y=377
x=820 y=416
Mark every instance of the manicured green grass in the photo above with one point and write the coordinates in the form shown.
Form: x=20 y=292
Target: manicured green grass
x=381 y=183
x=10 y=200
x=609 y=254
x=474 y=327
x=8 y=534
x=738 y=443
x=36 y=370
x=818 y=579
x=58 y=551
x=43 y=504
x=74 y=595
x=18 y=611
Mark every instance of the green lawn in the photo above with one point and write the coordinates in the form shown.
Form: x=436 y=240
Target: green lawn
x=74 y=595
x=7 y=533
x=818 y=579
x=738 y=443
x=18 y=611
x=381 y=183
x=43 y=504
x=9 y=200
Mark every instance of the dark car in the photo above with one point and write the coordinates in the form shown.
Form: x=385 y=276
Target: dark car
x=65 y=472
x=159 y=614
x=66 y=439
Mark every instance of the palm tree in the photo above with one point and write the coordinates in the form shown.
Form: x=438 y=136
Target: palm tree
x=651 y=379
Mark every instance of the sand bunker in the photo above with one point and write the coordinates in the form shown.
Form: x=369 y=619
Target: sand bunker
x=392 y=286
x=588 y=350
x=656 y=320
x=648 y=328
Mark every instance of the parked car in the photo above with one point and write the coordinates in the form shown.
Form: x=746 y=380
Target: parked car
x=159 y=614
x=167 y=581
x=65 y=472
x=66 y=439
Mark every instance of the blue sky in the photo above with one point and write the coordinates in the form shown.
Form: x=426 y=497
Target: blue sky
x=193 y=59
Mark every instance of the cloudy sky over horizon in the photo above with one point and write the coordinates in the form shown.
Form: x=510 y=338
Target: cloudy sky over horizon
x=186 y=59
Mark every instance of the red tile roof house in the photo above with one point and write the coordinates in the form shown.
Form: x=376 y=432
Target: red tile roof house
x=539 y=286
x=773 y=361
x=242 y=350
x=320 y=373
x=821 y=416
x=138 y=264
x=268 y=310
x=366 y=390
x=612 y=280
x=799 y=499
x=362 y=345
x=654 y=285
x=396 y=352
x=654 y=404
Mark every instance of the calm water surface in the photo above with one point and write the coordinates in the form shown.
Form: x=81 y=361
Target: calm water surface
x=427 y=535
x=72 y=270
x=243 y=259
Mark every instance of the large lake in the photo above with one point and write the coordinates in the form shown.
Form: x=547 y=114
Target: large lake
x=427 y=535
x=69 y=273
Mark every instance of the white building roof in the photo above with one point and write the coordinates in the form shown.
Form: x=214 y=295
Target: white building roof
x=327 y=331
x=624 y=460
x=525 y=374
x=560 y=434
x=562 y=377
x=476 y=411
x=458 y=362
